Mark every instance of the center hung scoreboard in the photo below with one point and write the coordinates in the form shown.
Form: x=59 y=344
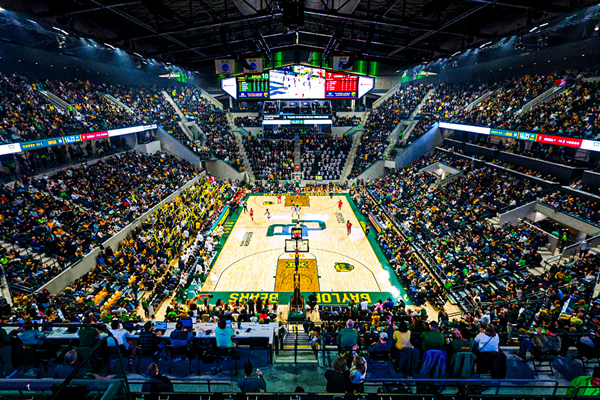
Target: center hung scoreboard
x=298 y=82
x=253 y=86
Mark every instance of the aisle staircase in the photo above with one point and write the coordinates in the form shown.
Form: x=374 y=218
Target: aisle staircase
x=118 y=102
x=245 y=160
x=57 y=102
x=21 y=251
x=351 y=155
x=289 y=355
x=297 y=149
x=544 y=252
x=402 y=130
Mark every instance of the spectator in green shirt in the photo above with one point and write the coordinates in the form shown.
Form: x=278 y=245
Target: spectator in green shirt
x=432 y=339
x=585 y=385
x=348 y=337
x=462 y=342
x=223 y=334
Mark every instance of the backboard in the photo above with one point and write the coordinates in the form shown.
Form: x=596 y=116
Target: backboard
x=290 y=245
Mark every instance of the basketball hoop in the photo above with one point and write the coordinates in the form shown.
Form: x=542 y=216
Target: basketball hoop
x=297 y=176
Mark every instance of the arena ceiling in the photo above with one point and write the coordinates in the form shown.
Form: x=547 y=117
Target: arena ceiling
x=192 y=33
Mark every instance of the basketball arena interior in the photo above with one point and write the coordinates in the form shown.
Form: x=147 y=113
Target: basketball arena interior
x=299 y=199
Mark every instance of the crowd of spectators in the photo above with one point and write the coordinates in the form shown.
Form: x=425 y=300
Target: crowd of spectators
x=504 y=104
x=426 y=210
x=578 y=185
x=191 y=102
x=26 y=115
x=526 y=171
x=66 y=215
x=219 y=140
x=149 y=103
x=382 y=121
x=324 y=156
x=579 y=207
x=346 y=121
x=495 y=261
x=93 y=110
x=38 y=161
x=573 y=113
x=447 y=102
x=270 y=159
x=142 y=267
x=249 y=121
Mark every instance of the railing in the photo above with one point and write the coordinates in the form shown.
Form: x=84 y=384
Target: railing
x=465 y=387
x=570 y=250
x=99 y=345
x=296 y=344
x=210 y=384
x=567 y=213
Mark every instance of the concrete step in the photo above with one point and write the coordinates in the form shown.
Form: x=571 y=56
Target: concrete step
x=297 y=149
x=351 y=155
x=245 y=160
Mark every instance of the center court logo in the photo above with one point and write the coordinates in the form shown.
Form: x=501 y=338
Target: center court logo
x=292 y=264
x=286 y=229
x=343 y=267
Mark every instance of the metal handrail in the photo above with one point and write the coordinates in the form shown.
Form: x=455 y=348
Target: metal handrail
x=296 y=345
x=101 y=327
x=196 y=381
x=476 y=383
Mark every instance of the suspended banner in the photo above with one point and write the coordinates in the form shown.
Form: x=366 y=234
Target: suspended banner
x=225 y=66
x=339 y=62
x=256 y=64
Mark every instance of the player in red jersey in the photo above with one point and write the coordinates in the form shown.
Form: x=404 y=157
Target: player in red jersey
x=340 y=204
x=349 y=226
x=252 y=215
x=278 y=198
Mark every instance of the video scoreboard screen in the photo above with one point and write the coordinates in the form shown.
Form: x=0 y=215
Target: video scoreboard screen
x=298 y=82
x=253 y=86
x=340 y=86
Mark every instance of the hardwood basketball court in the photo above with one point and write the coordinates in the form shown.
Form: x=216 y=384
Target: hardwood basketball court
x=253 y=258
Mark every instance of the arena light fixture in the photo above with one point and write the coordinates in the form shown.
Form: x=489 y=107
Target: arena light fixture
x=61 y=31
x=110 y=46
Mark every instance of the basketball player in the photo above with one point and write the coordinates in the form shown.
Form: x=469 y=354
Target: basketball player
x=340 y=204
x=367 y=230
x=278 y=198
x=252 y=215
x=268 y=214
x=245 y=206
x=297 y=192
x=349 y=226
